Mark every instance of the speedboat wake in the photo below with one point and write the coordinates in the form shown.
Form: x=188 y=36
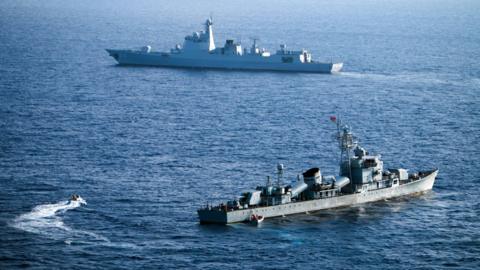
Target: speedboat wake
x=47 y=220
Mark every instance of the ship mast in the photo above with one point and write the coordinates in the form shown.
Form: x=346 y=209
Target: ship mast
x=346 y=142
x=280 y=168
x=209 y=31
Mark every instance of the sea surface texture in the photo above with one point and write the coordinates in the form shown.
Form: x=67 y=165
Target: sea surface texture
x=146 y=147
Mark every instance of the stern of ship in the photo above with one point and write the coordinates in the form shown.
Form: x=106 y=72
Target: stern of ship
x=336 y=67
x=212 y=216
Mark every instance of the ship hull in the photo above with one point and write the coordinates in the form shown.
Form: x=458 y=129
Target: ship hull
x=221 y=217
x=215 y=61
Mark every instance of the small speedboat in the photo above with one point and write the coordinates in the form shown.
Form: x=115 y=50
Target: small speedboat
x=74 y=197
x=256 y=219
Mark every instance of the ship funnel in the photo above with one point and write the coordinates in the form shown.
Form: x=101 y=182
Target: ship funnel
x=312 y=176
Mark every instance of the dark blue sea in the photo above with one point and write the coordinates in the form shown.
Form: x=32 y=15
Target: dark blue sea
x=145 y=147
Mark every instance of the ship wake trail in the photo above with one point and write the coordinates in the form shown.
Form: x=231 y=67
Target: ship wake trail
x=47 y=220
x=427 y=78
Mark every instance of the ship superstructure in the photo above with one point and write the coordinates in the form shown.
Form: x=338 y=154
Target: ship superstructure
x=362 y=179
x=199 y=51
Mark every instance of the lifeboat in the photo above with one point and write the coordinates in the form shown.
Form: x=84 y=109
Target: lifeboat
x=256 y=219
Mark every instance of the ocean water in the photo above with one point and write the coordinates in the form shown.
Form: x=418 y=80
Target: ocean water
x=145 y=147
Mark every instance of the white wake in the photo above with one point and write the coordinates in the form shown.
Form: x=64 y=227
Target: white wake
x=431 y=78
x=47 y=220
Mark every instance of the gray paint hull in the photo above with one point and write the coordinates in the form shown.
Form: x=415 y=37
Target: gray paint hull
x=127 y=57
x=221 y=217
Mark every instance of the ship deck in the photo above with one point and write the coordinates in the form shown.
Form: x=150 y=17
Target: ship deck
x=225 y=216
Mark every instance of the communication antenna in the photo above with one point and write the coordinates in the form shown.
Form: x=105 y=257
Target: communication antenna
x=269 y=181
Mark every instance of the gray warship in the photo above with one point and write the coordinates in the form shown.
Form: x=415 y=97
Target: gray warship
x=199 y=51
x=362 y=179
